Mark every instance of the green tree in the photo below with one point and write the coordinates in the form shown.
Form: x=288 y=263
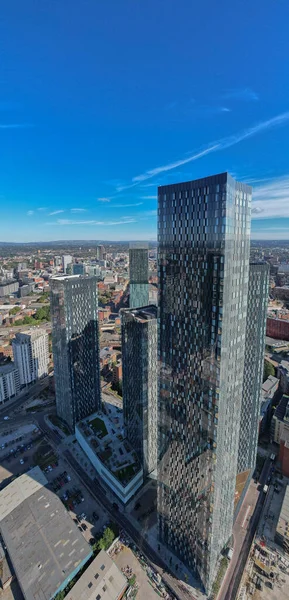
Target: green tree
x=14 y=310
x=106 y=540
x=269 y=369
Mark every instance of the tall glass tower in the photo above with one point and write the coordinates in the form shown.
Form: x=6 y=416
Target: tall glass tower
x=74 y=314
x=204 y=244
x=254 y=364
x=138 y=275
x=140 y=382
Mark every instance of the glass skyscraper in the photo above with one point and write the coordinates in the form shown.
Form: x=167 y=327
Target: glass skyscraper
x=254 y=364
x=138 y=275
x=204 y=244
x=140 y=382
x=74 y=314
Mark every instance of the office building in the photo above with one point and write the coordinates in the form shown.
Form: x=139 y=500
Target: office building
x=100 y=252
x=140 y=382
x=9 y=382
x=78 y=269
x=138 y=275
x=258 y=292
x=74 y=314
x=31 y=355
x=66 y=260
x=204 y=244
x=45 y=547
x=8 y=287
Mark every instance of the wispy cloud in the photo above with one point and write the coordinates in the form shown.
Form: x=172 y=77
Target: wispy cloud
x=271 y=199
x=30 y=213
x=56 y=212
x=103 y=199
x=124 y=221
x=146 y=185
x=241 y=94
x=221 y=144
x=126 y=205
x=15 y=125
x=78 y=210
x=42 y=209
x=149 y=197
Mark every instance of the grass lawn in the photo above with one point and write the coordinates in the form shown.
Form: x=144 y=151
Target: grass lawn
x=125 y=473
x=58 y=423
x=98 y=425
x=220 y=576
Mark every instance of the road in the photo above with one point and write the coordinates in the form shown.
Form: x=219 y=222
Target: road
x=24 y=395
x=233 y=576
x=15 y=328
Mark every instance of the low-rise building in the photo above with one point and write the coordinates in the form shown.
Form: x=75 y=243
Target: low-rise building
x=102 y=439
x=278 y=328
x=102 y=580
x=282 y=531
x=270 y=387
x=9 y=382
x=283 y=375
x=107 y=356
x=8 y=287
x=117 y=372
x=45 y=546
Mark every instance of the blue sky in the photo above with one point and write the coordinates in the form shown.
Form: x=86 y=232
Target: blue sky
x=100 y=102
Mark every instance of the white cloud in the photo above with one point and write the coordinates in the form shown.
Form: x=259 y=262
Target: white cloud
x=125 y=205
x=149 y=197
x=30 y=212
x=221 y=144
x=103 y=199
x=56 y=212
x=271 y=199
x=125 y=221
x=242 y=94
x=42 y=209
x=78 y=210
x=15 y=125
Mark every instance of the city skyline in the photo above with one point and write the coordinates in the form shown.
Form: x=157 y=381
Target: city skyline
x=92 y=123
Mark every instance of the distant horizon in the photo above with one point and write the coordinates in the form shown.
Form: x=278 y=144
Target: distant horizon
x=113 y=241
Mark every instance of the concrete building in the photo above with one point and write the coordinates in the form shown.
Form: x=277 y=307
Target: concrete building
x=140 y=382
x=31 y=355
x=254 y=365
x=117 y=372
x=138 y=275
x=100 y=252
x=115 y=461
x=282 y=533
x=45 y=546
x=278 y=328
x=270 y=387
x=102 y=580
x=8 y=287
x=74 y=314
x=78 y=269
x=66 y=260
x=9 y=382
x=203 y=269
x=280 y=421
x=283 y=376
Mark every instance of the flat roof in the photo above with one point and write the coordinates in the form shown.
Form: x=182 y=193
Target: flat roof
x=101 y=579
x=281 y=528
x=7 y=368
x=105 y=436
x=269 y=383
x=44 y=544
x=142 y=314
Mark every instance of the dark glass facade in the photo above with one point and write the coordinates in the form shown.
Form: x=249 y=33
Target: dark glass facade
x=204 y=242
x=258 y=292
x=139 y=381
x=138 y=275
x=74 y=314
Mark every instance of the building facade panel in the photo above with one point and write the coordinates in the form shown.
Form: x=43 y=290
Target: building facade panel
x=204 y=241
x=74 y=313
x=138 y=275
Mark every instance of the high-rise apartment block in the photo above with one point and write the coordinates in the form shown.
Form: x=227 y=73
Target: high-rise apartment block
x=100 y=252
x=66 y=260
x=140 y=382
x=254 y=364
x=74 y=314
x=138 y=275
x=9 y=382
x=204 y=244
x=31 y=355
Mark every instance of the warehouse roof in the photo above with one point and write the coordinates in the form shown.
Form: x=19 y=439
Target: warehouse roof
x=44 y=544
x=101 y=580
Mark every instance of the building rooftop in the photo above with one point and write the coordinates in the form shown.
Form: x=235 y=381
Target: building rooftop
x=44 y=544
x=8 y=368
x=269 y=383
x=34 y=332
x=105 y=436
x=101 y=580
x=143 y=314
